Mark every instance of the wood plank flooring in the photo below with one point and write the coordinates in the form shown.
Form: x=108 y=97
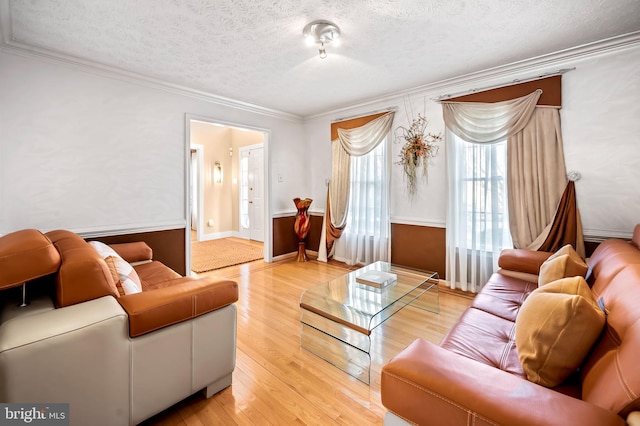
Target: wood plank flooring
x=278 y=383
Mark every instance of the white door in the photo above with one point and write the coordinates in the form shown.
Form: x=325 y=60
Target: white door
x=256 y=194
x=193 y=190
x=252 y=193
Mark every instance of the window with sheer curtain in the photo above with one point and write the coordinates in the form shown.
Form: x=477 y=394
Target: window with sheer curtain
x=478 y=222
x=366 y=235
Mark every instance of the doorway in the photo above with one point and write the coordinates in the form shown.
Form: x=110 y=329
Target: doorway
x=252 y=193
x=215 y=183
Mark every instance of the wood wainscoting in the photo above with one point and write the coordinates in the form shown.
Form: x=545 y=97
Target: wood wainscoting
x=285 y=240
x=169 y=246
x=417 y=246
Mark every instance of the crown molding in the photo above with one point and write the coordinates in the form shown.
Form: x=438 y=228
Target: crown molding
x=10 y=46
x=542 y=63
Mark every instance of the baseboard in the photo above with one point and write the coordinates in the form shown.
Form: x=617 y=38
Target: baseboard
x=219 y=235
x=293 y=254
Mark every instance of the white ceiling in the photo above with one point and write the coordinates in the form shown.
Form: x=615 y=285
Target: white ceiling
x=253 y=50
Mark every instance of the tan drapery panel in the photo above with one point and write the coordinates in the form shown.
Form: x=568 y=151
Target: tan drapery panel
x=536 y=177
x=354 y=137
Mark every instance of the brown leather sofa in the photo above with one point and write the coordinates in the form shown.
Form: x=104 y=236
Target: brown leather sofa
x=475 y=377
x=116 y=359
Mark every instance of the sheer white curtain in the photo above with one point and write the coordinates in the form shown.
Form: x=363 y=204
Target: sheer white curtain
x=478 y=209
x=477 y=217
x=366 y=237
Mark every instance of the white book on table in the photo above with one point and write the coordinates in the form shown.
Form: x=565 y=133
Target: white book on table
x=377 y=279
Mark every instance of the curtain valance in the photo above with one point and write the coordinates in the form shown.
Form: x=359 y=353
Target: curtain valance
x=356 y=142
x=364 y=139
x=489 y=122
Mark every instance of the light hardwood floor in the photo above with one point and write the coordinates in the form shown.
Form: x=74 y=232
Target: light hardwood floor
x=275 y=381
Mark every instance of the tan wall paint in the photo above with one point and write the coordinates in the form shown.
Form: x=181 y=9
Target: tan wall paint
x=216 y=142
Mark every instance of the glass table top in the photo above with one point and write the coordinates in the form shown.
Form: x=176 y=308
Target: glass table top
x=363 y=307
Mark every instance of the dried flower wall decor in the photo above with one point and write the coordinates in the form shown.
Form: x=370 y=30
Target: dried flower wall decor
x=418 y=146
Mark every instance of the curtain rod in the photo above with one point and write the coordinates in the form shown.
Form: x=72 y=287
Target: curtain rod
x=496 y=86
x=389 y=109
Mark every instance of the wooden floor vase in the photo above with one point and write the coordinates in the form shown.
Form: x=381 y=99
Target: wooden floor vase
x=302 y=225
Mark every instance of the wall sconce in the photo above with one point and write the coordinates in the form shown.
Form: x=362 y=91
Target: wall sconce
x=230 y=152
x=217 y=172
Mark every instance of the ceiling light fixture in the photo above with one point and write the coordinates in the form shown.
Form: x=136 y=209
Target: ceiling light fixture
x=323 y=33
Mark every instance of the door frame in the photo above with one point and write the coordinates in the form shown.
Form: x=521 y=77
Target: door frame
x=240 y=150
x=199 y=183
x=268 y=224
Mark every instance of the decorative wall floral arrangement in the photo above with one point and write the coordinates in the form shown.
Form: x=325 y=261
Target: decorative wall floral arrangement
x=418 y=146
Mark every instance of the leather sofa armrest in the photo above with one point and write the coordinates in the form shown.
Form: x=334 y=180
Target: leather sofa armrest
x=137 y=251
x=522 y=260
x=154 y=309
x=427 y=384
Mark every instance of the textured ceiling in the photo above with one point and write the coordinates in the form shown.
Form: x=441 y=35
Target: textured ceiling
x=253 y=50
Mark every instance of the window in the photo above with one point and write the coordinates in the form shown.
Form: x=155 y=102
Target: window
x=367 y=179
x=485 y=192
x=366 y=235
x=477 y=222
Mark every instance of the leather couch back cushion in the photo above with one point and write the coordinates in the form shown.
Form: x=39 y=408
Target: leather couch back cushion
x=83 y=274
x=610 y=375
x=609 y=259
x=555 y=329
x=26 y=255
x=636 y=236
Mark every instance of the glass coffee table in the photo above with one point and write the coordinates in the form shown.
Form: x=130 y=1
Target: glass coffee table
x=338 y=317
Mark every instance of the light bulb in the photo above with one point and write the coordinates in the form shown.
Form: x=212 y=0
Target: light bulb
x=323 y=53
x=309 y=40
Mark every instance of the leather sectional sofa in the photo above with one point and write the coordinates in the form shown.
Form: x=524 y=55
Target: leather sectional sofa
x=117 y=359
x=475 y=377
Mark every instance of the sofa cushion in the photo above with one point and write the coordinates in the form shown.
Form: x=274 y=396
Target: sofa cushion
x=155 y=275
x=83 y=273
x=26 y=255
x=635 y=240
x=486 y=330
x=563 y=263
x=123 y=274
x=555 y=329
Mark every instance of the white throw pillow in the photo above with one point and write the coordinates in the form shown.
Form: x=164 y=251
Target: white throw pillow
x=122 y=272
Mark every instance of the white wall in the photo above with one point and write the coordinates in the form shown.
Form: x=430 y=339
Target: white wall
x=86 y=152
x=600 y=125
